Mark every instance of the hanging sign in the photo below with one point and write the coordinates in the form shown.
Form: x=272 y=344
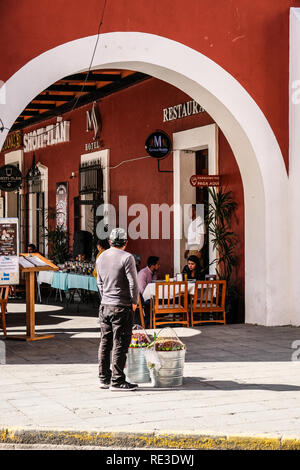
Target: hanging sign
x=204 y=181
x=158 y=144
x=9 y=251
x=10 y=178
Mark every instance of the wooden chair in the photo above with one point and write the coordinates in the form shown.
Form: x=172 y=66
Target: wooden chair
x=4 y=291
x=141 y=310
x=170 y=304
x=208 y=298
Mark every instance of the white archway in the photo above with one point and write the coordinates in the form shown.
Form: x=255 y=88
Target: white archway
x=244 y=125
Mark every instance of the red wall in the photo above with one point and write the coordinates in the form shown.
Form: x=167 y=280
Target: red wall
x=250 y=39
x=128 y=117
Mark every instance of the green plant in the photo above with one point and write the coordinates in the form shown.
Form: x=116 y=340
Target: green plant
x=57 y=239
x=221 y=211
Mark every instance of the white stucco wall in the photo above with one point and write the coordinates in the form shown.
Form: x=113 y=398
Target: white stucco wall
x=244 y=125
x=294 y=167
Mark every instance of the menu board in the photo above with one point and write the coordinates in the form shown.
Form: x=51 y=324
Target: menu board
x=9 y=251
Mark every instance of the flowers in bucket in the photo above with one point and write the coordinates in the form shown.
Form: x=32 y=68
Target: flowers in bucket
x=167 y=344
x=139 y=338
x=167 y=340
x=136 y=365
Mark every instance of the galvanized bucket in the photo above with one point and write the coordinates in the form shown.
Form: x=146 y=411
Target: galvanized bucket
x=136 y=370
x=171 y=372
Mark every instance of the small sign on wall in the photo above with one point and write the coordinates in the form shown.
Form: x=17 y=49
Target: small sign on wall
x=204 y=181
x=9 y=251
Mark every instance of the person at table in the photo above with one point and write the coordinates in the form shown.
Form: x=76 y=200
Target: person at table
x=31 y=248
x=193 y=269
x=102 y=245
x=195 y=234
x=149 y=273
x=118 y=285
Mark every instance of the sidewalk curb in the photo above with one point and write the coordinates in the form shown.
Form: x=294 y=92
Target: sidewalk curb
x=147 y=440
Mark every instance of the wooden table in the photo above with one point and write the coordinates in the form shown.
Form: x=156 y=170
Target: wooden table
x=30 y=299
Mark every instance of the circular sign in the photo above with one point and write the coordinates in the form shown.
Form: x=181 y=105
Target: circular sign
x=10 y=178
x=158 y=144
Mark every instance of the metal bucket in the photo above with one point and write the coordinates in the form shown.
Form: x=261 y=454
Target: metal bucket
x=171 y=372
x=136 y=370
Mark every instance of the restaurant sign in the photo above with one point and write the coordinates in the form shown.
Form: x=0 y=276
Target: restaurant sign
x=182 y=110
x=49 y=135
x=158 y=144
x=10 y=178
x=13 y=141
x=204 y=181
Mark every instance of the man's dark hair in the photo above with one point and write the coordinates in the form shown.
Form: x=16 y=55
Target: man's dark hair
x=152 y=260
x=103 y=243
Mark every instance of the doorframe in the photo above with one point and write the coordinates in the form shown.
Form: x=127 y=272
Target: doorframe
x=198 y=138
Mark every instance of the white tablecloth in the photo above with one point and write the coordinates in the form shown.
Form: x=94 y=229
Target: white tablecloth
x=150 y=290
x=45 y=276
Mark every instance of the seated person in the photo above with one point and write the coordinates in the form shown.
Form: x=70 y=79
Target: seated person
x=31 y=248
x=145 y=276
x=193 y=269
x=149 y=273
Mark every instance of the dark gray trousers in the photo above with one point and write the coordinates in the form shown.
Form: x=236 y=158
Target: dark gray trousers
x=116 y=328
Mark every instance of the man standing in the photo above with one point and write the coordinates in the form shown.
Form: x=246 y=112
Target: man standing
x=118 y=286
x=195 y=235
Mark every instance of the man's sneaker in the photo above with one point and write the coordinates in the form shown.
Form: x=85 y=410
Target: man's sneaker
x=104 y=384
x=126 y=386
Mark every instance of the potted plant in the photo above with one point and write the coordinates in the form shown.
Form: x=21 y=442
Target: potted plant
x=221 y=211
x=136 y=366
x=165 y=359
x=57 y=239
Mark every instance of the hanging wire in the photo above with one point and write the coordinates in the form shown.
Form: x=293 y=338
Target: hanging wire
x=2 y=127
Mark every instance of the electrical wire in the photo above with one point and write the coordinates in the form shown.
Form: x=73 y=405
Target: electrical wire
x=2 y=127
x=130 y=160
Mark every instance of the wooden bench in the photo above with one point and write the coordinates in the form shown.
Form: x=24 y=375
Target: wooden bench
x=4 y=291
x=208 y=298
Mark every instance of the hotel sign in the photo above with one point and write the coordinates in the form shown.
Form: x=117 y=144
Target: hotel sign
x=204 y=181
x=182 y=110
x=94 y=123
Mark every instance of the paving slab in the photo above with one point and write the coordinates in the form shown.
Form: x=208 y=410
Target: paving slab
x=240 y=381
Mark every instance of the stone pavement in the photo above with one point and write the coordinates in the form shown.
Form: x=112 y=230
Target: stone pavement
x=239 y=380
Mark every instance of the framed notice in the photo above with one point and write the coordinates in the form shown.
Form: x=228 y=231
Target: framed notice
x=62 y=205
x=9 y=251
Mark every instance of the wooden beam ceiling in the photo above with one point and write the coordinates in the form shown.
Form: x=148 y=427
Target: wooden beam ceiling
x=75 y=90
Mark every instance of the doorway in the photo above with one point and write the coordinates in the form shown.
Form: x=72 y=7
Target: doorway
x=196 y=151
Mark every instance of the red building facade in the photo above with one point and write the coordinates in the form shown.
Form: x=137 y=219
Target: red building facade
x=232 y=58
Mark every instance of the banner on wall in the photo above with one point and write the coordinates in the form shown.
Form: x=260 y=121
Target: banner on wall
x=62 y=205
x=9 y=251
